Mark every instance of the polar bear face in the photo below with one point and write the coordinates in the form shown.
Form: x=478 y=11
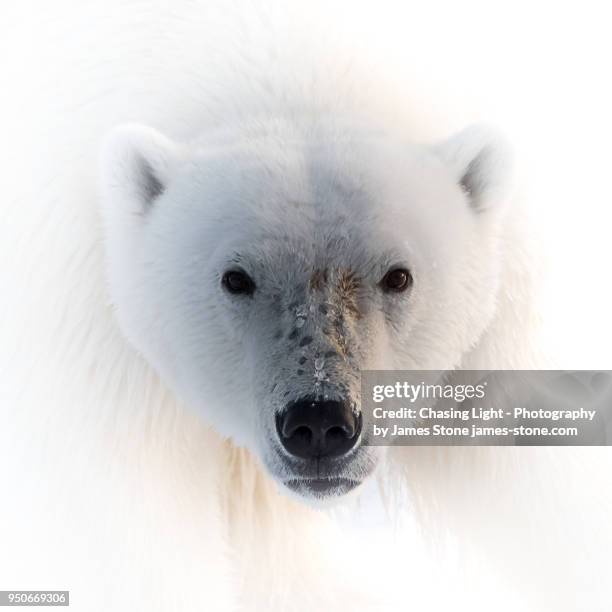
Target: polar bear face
x=260 y=271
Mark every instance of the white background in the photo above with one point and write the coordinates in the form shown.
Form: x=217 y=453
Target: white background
x=539 y=70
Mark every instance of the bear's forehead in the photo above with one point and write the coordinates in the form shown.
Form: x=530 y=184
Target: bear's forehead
x=299 y=186
x=309 y=166
x=323 y=206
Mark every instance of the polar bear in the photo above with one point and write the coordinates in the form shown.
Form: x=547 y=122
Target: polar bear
x=261 y=267
x=160 y=358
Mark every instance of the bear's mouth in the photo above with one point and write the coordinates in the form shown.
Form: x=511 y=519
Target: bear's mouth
x=320 y=487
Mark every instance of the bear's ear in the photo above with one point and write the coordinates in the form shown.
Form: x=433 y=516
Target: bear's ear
x=136 y=164
x=480 y=160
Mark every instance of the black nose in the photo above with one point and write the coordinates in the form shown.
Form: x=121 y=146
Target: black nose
x=310 y=429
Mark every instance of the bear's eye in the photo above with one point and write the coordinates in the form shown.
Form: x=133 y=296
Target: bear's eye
x=238 y=282
x=396 y=280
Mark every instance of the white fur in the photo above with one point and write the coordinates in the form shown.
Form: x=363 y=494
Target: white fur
x=147 y=506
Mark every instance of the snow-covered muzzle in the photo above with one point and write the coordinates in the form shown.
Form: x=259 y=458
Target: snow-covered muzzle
x=318 y=340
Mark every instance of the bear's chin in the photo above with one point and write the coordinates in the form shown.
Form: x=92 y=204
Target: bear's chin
x=321 y=492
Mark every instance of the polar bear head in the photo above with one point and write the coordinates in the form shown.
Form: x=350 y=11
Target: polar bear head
x=261 y=269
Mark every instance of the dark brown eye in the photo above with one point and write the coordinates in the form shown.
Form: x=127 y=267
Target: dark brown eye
x=238 y=282
x=396 y=281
